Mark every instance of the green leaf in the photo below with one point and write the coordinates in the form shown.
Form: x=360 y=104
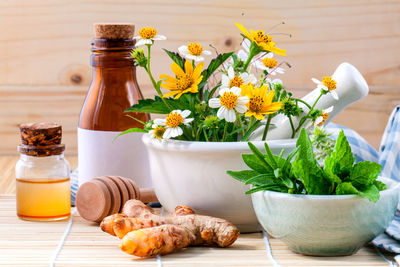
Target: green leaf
x=307 y=169
x=266 y=187
x=176 y=58
x=157 y=106
x=210 y=93
x=342 y=159
x=256 y=163
x=286 y=165
x=260 y=156
x=270 y=157
x=346 y=189
x=213 y=66
x=261 y=179
x=365 y=173
x=332 y=177
x=371 y=192
x=381 y=186
x=236 y=131
x=131 y=130
x=242 y=176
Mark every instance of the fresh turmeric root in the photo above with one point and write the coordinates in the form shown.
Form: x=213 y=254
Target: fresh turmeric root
x=145 y=233
x=154 y=241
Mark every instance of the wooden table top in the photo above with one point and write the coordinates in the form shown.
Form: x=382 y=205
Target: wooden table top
x=24 y=243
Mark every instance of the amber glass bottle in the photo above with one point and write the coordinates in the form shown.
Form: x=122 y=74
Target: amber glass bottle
x=113 y=89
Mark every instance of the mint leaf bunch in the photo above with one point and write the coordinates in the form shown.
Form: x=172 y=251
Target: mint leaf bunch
x=304 y=175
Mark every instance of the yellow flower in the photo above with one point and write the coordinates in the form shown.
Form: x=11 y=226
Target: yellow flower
x=261 y=39
x=185 y=81
x=260 y=101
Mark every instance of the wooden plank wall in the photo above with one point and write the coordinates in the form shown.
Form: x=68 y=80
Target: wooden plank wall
x=45 y=48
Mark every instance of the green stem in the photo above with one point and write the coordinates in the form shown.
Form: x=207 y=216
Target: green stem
x=135 y=119
x=148 y=70
x=250 y=123
x=246 y=64
x=312 y=107
x=215 y=134
x=267 y=127
x=304 y=102
x=198 y=133
x=205 y=135
x=316 y=101
x=291 y=126
x=248 y=133
x=240 y=124
x=225 y=128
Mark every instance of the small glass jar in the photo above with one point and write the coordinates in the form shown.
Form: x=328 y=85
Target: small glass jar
x=42 y=181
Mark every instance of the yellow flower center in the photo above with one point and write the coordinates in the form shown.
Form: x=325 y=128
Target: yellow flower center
x=159 y=132
x=195 y=49
x=255 y=104
x=236 y=82
x=329 y=83
x=270 y=62
x=184 y=82
x=174 y=120
x=147 y=32
x=260 y=37
x=229 y=100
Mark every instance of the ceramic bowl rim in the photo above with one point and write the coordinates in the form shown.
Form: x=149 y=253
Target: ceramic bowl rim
x=213 y=146
x=393 y=186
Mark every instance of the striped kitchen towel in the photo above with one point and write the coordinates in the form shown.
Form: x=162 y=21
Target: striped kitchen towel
x=389 y=157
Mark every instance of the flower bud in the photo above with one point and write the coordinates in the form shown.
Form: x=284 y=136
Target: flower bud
x=211 y=122
x=138 y=57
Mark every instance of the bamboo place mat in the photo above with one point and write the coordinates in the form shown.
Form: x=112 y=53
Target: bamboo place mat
x=24 y=243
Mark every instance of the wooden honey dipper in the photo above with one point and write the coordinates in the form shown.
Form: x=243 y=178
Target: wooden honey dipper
x=106 y=195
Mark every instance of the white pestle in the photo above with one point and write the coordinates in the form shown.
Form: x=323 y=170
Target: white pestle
x=351 y=86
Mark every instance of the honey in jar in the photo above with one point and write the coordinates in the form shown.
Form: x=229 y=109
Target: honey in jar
x=42 y=174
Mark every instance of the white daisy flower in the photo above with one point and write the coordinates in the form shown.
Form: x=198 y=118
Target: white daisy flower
x=328 y=85
x=148 y=35
x=193 y=51
x=230 y=80
x=321 y=119
x=264 y=62
x=229 y=101
x=268 y=63
x=157 y=132
x=173 y=121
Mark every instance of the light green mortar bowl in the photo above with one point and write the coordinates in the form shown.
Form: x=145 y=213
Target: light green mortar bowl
x=325 y=225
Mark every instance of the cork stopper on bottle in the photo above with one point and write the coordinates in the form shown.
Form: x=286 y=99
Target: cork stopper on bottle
x=114 y=31
x=41 y=139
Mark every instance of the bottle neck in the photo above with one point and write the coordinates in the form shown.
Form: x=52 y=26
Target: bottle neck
x=25 y=157
x=112 y=54
x=41 y=151
x=113 y=90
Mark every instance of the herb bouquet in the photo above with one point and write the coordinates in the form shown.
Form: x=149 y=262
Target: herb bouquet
x=208 y=110
x=227 y=100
